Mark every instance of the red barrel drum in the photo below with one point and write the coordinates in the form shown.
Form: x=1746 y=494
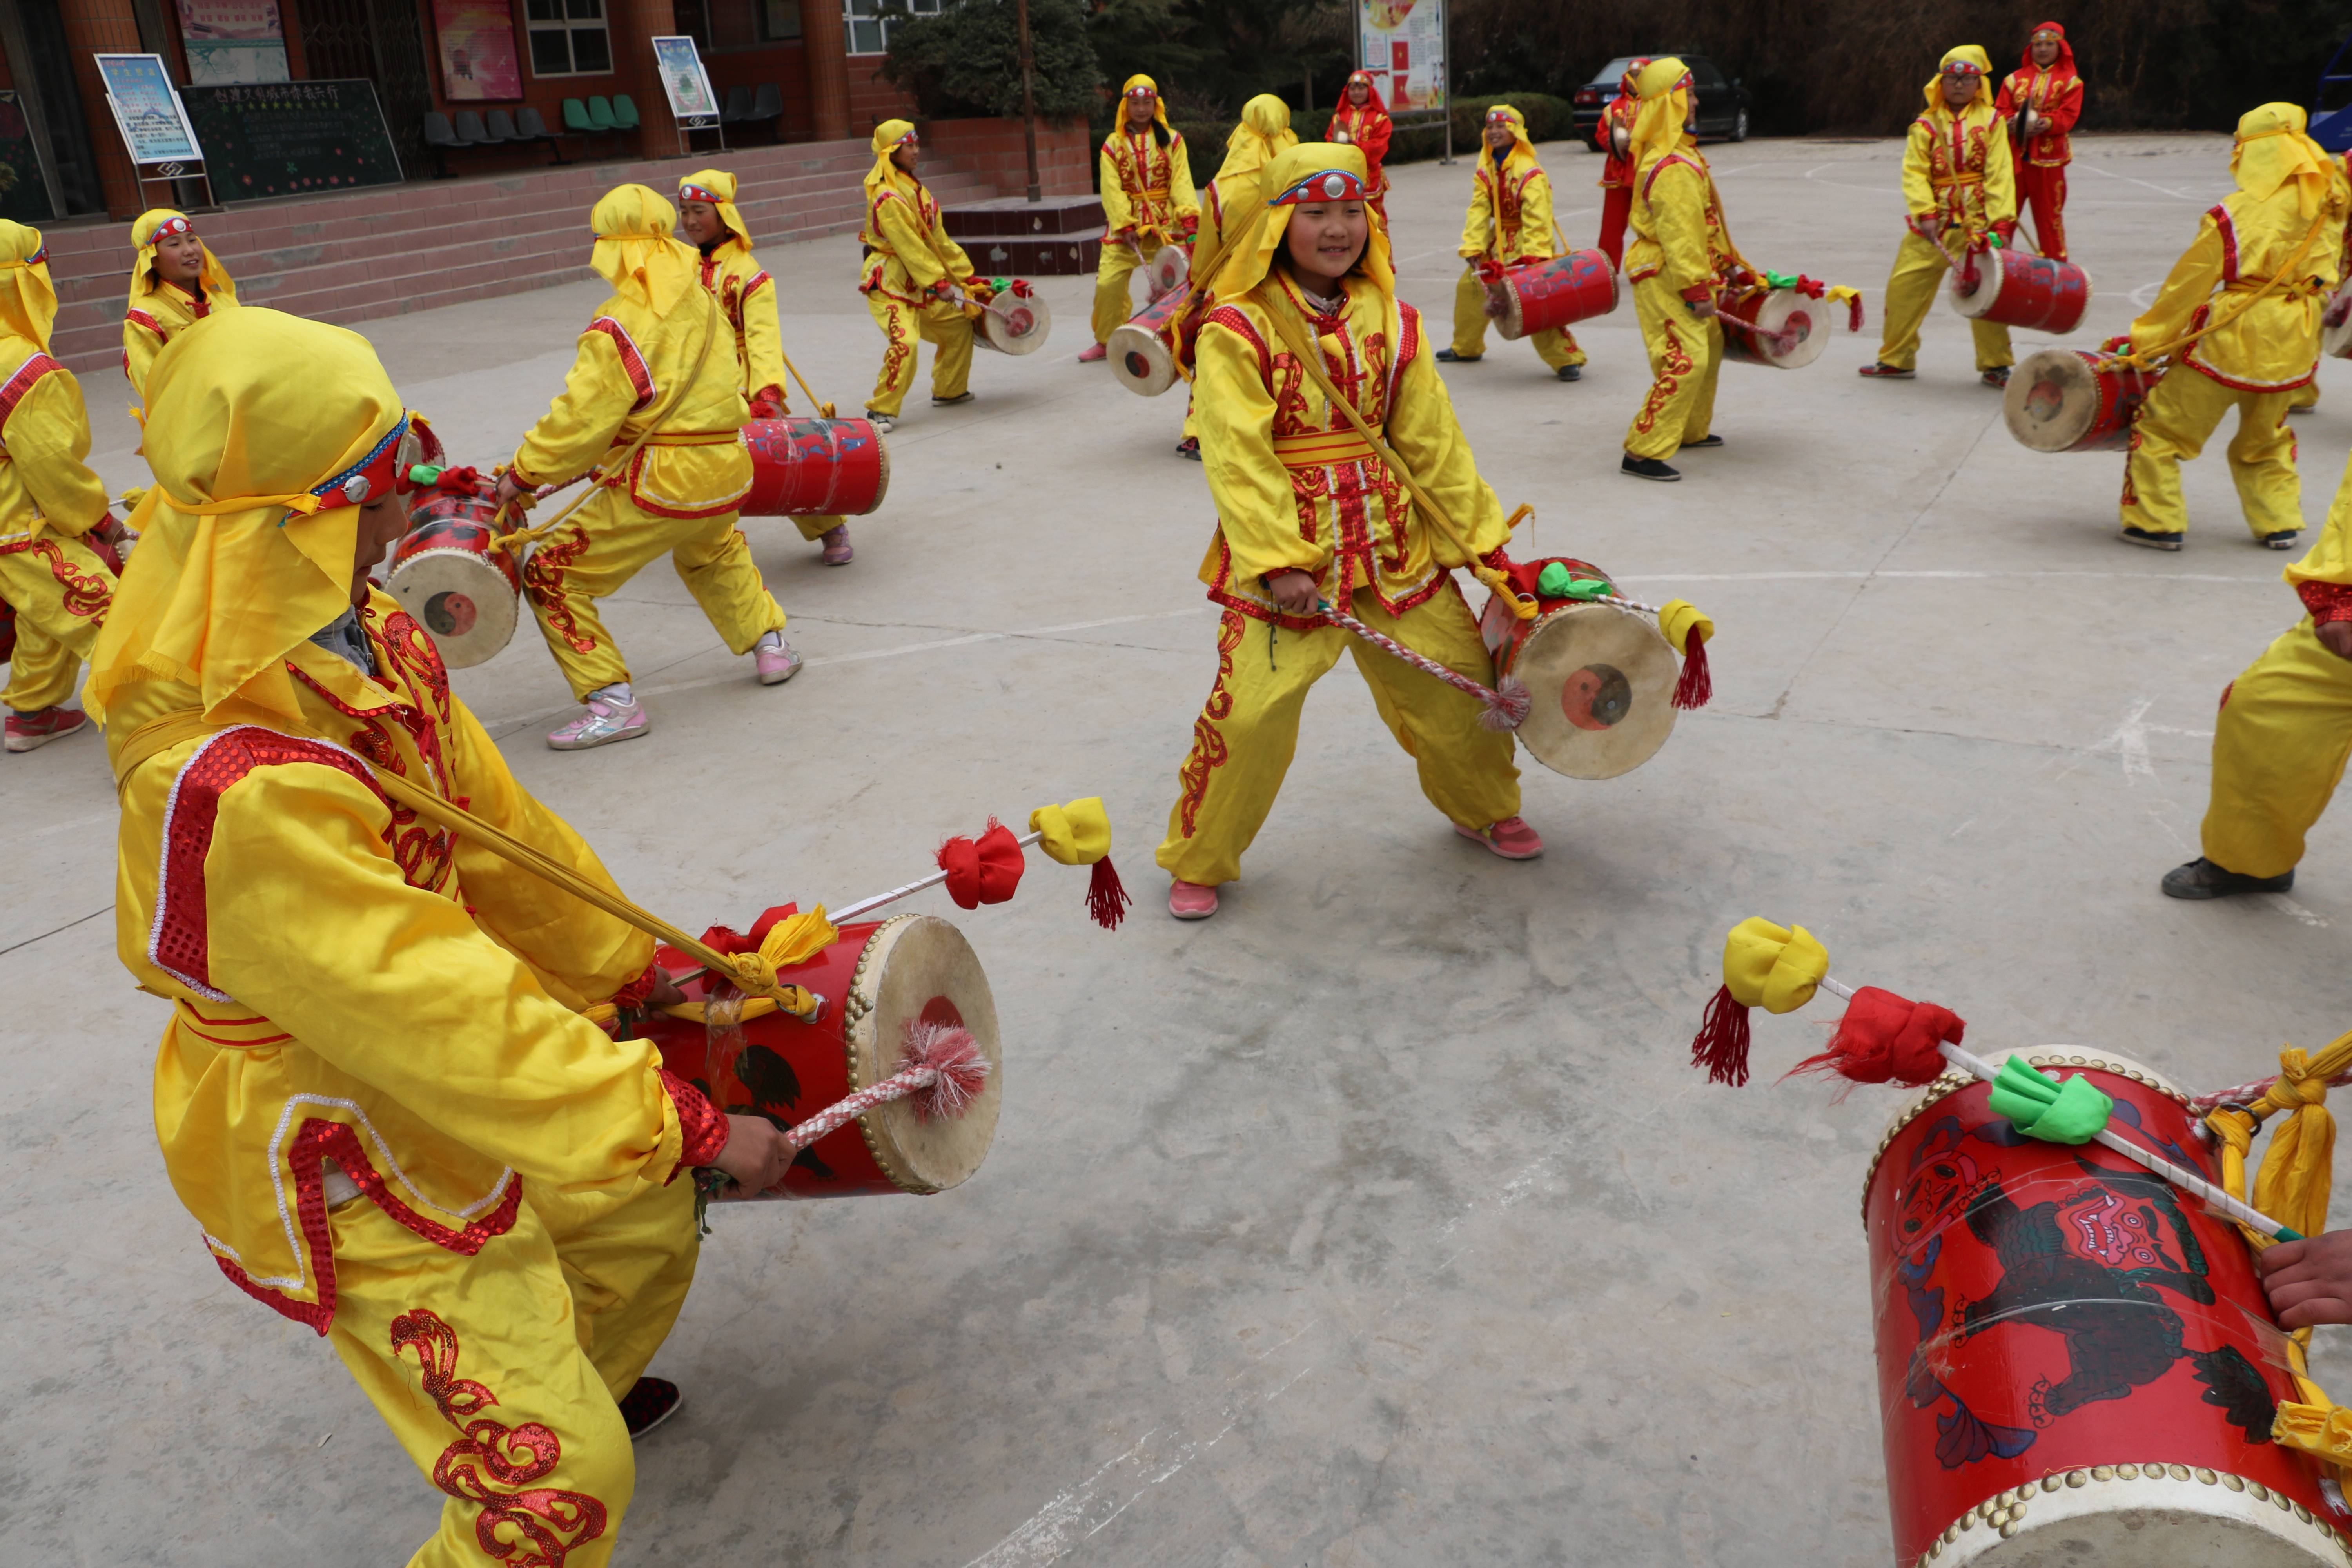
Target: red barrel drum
x=815 y=468
x=2072 y=1359
x=1782 y=328
x=1540 y=295
x=2071 y=400
x=1143 y=349
x=879 y=980
x=2016 y=288
x=444 y=573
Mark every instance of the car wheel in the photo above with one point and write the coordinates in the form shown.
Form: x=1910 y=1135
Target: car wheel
x=1739 y=126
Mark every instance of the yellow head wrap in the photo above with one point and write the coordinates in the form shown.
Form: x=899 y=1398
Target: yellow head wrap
x=888 y=137
x=1662 y=123
x=1967 y=55
x=721 y=186
x=1158 y=102
x=218 y=286
x=637 y=252
x=1245 y=261
x=246 y=404
x=2272 y=149
x=1263 y=134
x=28 y=299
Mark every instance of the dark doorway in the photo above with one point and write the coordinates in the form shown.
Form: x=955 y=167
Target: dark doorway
x=52 y=64
x=377 y=39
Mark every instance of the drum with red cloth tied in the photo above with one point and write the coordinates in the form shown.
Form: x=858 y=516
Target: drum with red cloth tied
x=888 y=988
x=1143 y=350
x=1540 y=295
x=1601 y=677
x=448 y=573
x=1782 y=328
x=815 y=468
x=2017 y=289
x=2075 y=1366
x=2071 y=400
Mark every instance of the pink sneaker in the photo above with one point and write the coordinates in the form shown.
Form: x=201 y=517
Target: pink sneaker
x=1092 y=356
x=777 y=665
x=603 y=722
x=31 y=731
x=1191 y=901
x=836 y=546
x=1511 y=838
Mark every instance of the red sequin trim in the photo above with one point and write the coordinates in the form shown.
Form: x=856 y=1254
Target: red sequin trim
x=538 y=1527
x=13 y=392
x=704 y=1129
x=632 y=362
x=140 y=318
x=1233 y=321
x=2328 y=602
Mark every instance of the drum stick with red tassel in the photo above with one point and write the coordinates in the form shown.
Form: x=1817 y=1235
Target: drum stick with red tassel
x=986 y=870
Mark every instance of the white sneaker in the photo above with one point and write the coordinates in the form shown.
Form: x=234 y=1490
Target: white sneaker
x=604 y=722
x=885 y=423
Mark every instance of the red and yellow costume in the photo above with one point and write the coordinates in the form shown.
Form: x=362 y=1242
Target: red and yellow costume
x=1368 y=128
x=1298 y=489
x=912 y=268
x=657 y=352
x=50 y=500
x=748 y=296
x=2055 y=93
x=2253 y=285
x=1680 y=257
x=1148 y=201
x=1510 y=222
x=375 y=1095
x=160 y=311
x=1956 y=174
x=1230 y=201
x=1617 y=173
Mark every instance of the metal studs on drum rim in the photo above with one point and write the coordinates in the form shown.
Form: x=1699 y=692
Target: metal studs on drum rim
x=447 y=572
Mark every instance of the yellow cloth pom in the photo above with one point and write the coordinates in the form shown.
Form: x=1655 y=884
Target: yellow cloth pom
x=2323 y=1430
x=1679 y=618
x=1078 y=834
x=797 y=938
x=1772 y=967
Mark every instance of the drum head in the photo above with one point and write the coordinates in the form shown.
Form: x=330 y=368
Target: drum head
x=1792 y=330
x=1015 y=325
x=2052 y=400
x=1141 y=360
x=1169 y=270
x=462 y=599
x=1975 y=301
x=916 y=969
x=1603 y=681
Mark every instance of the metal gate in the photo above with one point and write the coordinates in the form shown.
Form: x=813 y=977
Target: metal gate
x=377 y=39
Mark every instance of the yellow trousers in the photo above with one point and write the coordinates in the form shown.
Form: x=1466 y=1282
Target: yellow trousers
x=498 y=1372
x=1248 y=729
x=2174 y=424
x=1919 y=269
x=1114 y=308
x=2307 y=395
x=2279 y=746
x=1556 y=346
x=60 y=590
x=605 y=544
x=1686 y=357
x=940 y=323
x=815 y=527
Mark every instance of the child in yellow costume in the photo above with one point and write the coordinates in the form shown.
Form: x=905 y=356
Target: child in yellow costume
x=1961 y=189
x=176 y=282
x=1231 y=199
x=654 y=403
x=707 y=217
x=375 y=1095
x=2253 y=285
x=1148 y=201
x=914 y=276
x=1307 y=512
x=1678 y=260
x=1510 y=222
x=50 y=505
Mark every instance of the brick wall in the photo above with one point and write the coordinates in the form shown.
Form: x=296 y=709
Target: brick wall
x=872 y=99
x=996 y=151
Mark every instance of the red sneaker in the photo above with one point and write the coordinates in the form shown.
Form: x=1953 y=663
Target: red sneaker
x=31 y=731
x=1511 y=838
x=1191 y=901
x=1091 y=355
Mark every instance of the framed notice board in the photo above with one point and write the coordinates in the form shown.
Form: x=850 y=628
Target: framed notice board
x=292 y=138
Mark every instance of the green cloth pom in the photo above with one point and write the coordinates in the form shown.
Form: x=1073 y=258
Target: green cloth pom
x=1781 y=279
x=2041 y=1107
x=1556 y=582
x=424 y=475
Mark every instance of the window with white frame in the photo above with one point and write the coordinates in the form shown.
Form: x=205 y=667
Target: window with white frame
x=869 y=21
x=568 y=37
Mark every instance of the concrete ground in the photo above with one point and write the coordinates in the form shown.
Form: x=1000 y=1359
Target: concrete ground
x=1379 y=1220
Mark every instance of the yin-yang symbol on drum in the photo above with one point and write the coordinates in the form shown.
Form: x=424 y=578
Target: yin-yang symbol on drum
x=1596 y=697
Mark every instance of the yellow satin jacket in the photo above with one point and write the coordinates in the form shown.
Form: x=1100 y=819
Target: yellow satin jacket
x=2242 y=243
x=747 y=296
x=1510 y=212
x=1677 y=224
x=1957 y=167
x=908 y=250
x=1146 y=186
x=45 y=488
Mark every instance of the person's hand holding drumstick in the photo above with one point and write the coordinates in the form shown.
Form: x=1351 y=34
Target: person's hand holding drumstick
x=2310 y=1282
x=1293 y=592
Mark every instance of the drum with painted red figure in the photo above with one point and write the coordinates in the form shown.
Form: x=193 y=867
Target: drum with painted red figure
x=446 y=572
x=1143 y=350
x=815 y=468
x=2075 y=1366
x=1602 y=678
x=2017 y=289
x=1782 y=328
x=1017 y=321
x=1540 y=295
x=880 y=981
x=2071 y=400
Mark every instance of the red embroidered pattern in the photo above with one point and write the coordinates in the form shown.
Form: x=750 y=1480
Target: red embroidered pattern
x=2228 y=230
x=898 y=355
x=1145 y=171
x=13 y=392
x=2327 y=601
x=85 y=595
x=542 y=579
x=548 y=1522
x=705 y=1130
x=1670 y=380
x=1208 y=746
x=632 y=362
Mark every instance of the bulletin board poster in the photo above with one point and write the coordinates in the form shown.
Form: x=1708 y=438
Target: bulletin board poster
x=1403 y=44
x=478 y=63
x=153 y=125
x=232 y=41
x=684 y=79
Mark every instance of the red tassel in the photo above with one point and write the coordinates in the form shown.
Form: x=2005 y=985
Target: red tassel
x=1697 y=686
x=1107 y=898
x=1886 y=1038
x=1721 y=1044
x=1853 y=314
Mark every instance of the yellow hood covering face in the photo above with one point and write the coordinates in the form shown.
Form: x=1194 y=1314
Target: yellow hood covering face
x=28 y=299
x=1251 y=253
x=888 y=137
x=249 y=403
x=1662 y=123
x=1263 y=134
x=2272 y=150
x=145 y=229
x=638 y=251
x=1965 y=55
x=721 y=185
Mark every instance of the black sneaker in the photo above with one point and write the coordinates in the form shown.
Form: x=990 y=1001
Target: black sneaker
x=649 y=1401
x=1570 y=373
x=1447 y=356
x=1647 y=468
x=1704 y=443
x=2201 y=879
x=1189 y=447
x=2285 y=539
x=937 y=402
x=1997 y=376
x=2152 y=540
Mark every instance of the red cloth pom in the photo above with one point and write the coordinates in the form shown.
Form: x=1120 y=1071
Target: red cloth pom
x=704 y=1129
x=1721 y=1044
x=1107 y=898
x=727 y=940
x=1886 y=1038
x=465 y=481
x=767 y=403
x=982 y=872
x=1697 y=686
